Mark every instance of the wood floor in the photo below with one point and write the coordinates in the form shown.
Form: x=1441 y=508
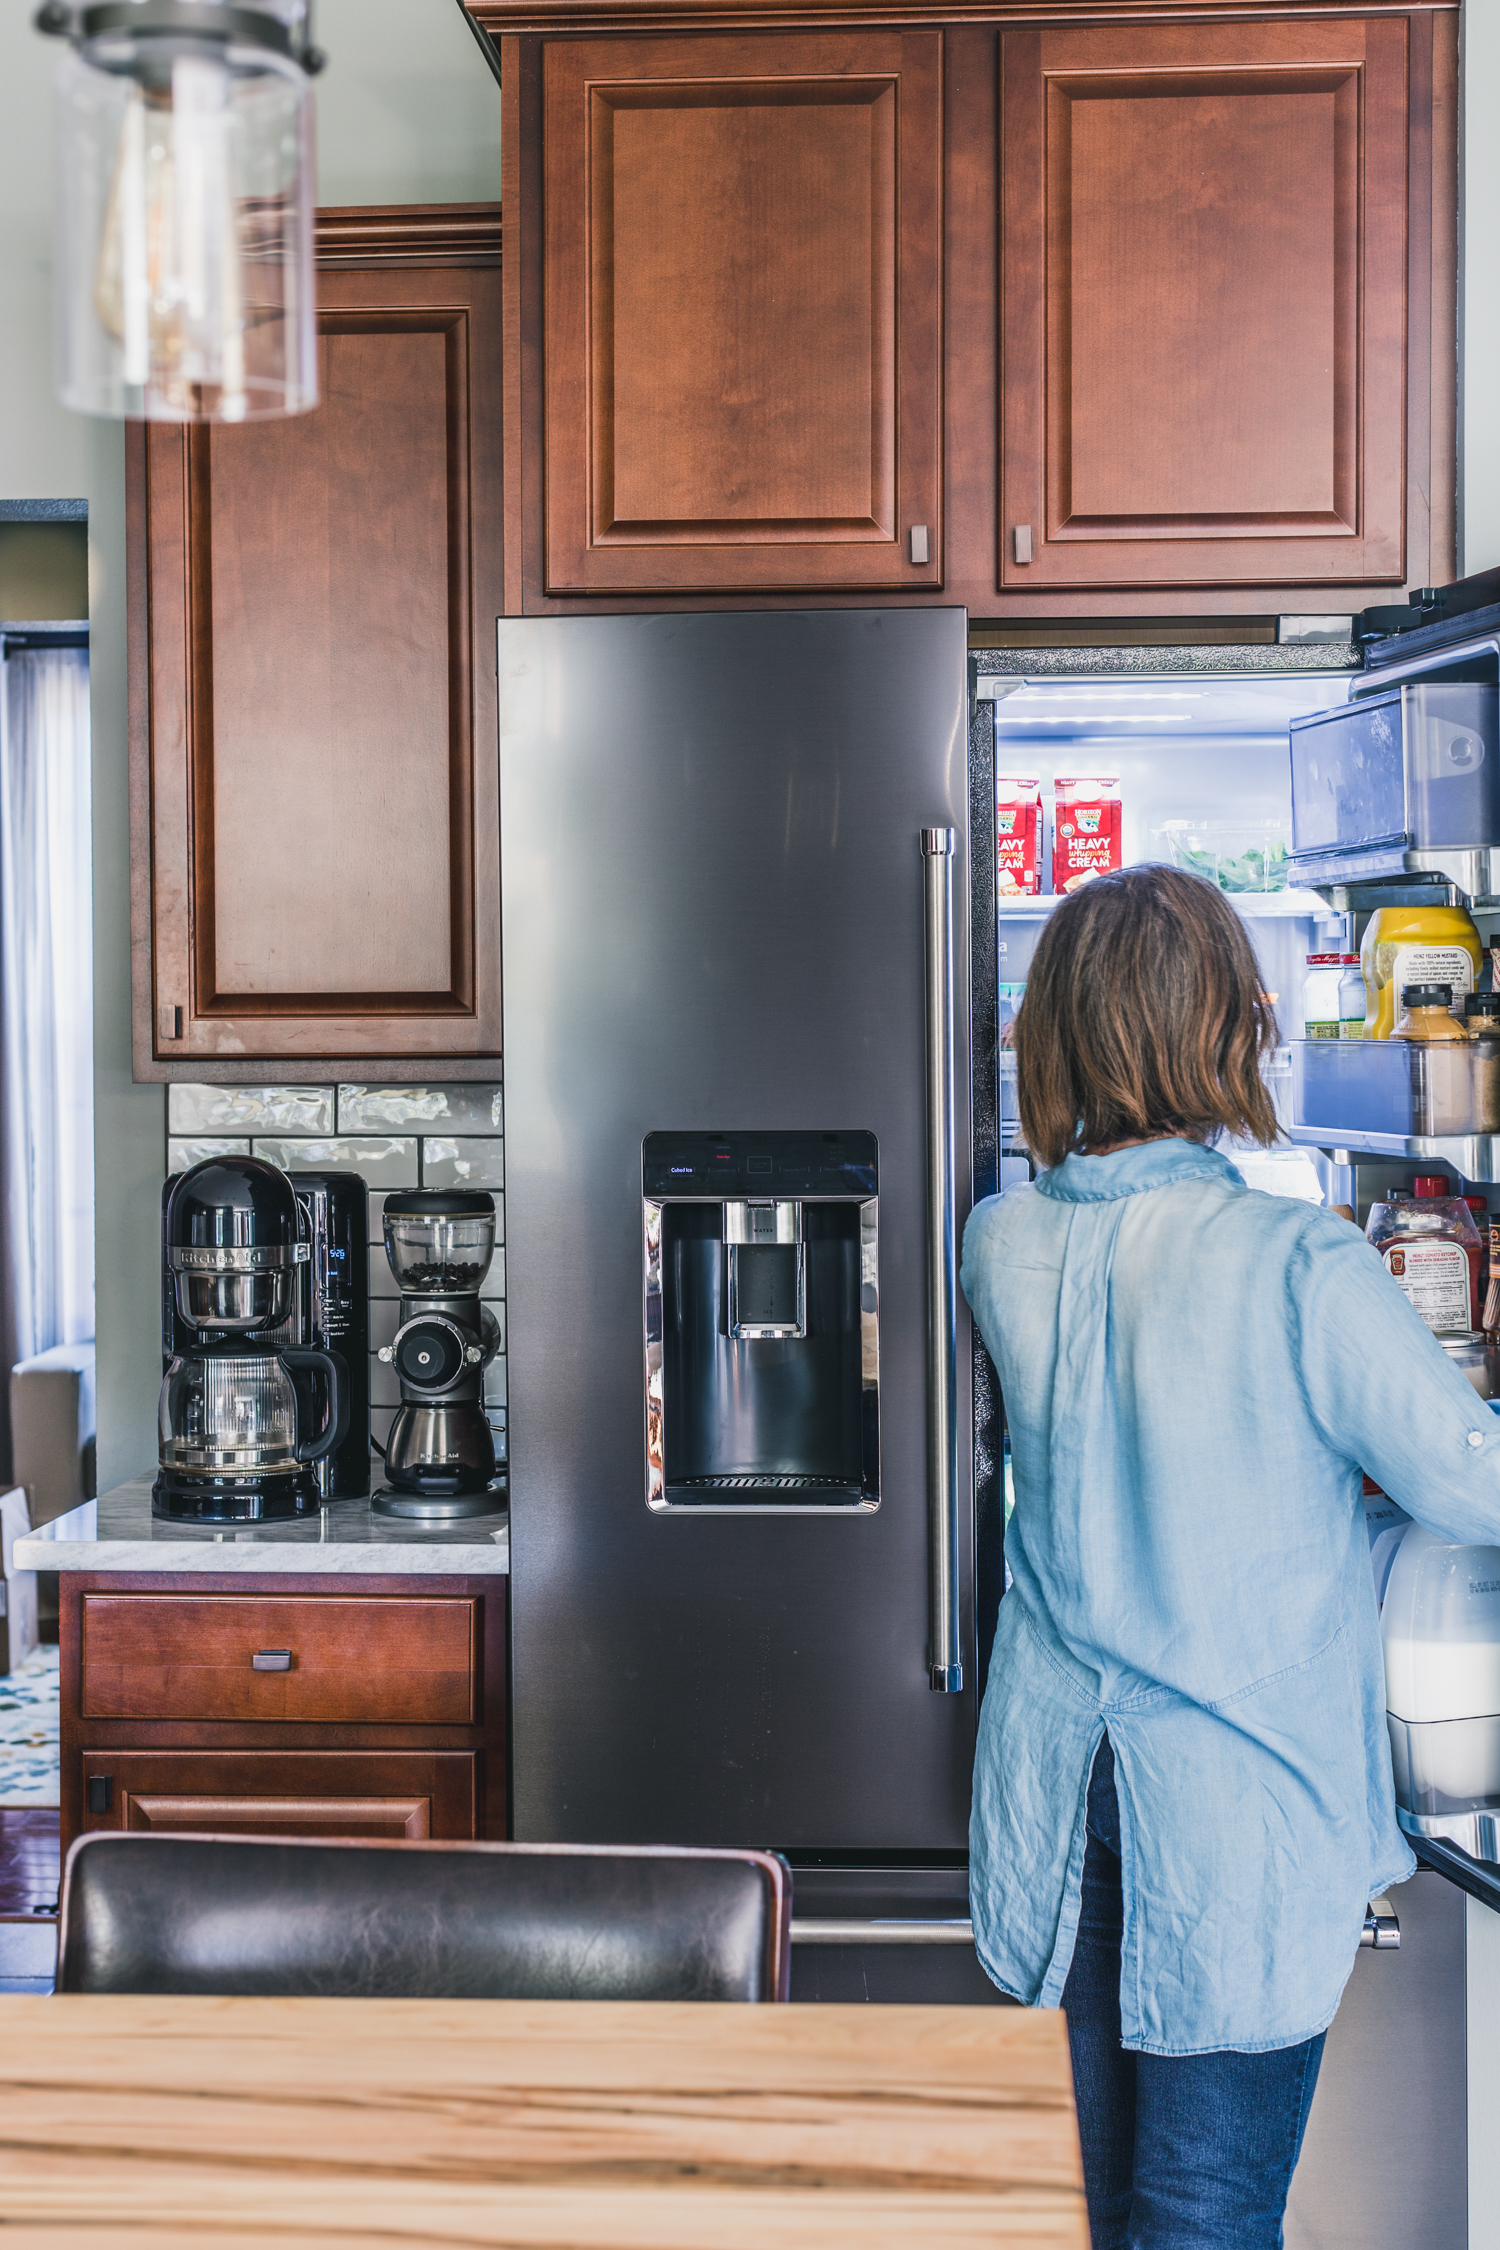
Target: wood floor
x=28 y=1864
x=28 y=1900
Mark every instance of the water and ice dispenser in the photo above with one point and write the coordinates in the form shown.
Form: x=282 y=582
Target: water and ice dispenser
x=762 y=1320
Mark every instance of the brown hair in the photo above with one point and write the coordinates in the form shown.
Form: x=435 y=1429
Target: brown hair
x=1143 y=1015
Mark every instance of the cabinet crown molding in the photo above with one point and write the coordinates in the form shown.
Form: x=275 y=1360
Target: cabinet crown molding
x=557 y=18
x=408 y=234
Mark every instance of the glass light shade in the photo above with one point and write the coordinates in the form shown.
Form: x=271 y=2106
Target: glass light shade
x=185 y=283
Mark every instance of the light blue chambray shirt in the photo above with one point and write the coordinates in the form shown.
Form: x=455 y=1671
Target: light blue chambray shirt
x=1194 y=1375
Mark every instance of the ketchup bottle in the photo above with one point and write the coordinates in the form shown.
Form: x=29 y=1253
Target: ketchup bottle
x=1429 y=1185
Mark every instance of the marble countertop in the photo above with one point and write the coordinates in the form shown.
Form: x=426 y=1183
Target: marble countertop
x=118 y=1532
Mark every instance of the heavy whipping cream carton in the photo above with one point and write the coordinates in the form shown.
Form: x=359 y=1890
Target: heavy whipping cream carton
x=1018 y=833
x=1086 y=829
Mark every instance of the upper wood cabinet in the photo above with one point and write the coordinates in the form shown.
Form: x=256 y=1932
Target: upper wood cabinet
x=1173 y=299
x=1204 y=303
x=314 y=796
x=742 y=312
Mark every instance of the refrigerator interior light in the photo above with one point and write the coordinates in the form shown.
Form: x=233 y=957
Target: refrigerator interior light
x=184 y=281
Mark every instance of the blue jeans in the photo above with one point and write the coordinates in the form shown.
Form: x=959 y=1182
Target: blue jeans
x=1180 y=2152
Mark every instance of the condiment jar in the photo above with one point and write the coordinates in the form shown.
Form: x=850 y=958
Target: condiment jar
x=1416 y=945
x=1353 y=999
x=1426 y=1014
x=1434 y=1187
x=1476 y=1360
x=1430 y=1248
x=1320 y=996
x=1482 y=1015
x=1442 y=1070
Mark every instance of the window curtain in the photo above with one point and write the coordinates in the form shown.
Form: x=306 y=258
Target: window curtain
x=46 y=1011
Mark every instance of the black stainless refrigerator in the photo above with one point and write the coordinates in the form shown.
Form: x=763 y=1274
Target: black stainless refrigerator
x=744 y=859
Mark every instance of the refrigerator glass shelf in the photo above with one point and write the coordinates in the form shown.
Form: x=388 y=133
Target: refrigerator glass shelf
x=1287 y=905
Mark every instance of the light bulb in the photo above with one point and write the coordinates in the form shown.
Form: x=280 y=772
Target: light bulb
x=184 y=277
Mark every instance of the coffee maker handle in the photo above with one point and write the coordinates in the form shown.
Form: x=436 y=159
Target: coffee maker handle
x=331 y=1366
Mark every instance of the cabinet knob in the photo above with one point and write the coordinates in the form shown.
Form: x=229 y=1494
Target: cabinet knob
x=271 y=1660
x=1021 y=538
x=169 y=1022
x=919 y=542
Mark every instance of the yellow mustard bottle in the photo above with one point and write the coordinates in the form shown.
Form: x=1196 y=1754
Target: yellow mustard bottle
x=1416 y=945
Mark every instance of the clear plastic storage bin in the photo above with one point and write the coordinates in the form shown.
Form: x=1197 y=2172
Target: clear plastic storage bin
x=1393 y=1086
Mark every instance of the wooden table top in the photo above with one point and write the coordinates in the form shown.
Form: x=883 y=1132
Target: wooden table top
x=670 y=2127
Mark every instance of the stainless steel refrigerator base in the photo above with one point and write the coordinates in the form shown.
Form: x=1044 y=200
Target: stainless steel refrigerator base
x=713 y=916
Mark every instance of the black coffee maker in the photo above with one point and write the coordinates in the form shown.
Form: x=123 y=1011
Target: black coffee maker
x=440 y=1456
x=236 y=1399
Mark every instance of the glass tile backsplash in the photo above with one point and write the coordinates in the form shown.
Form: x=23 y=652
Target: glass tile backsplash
x=394 y=1137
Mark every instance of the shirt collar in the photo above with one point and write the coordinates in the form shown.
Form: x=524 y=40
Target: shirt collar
x=1130 y=1171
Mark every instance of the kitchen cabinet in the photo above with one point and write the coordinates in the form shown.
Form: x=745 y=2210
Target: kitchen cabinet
x=1203 y=303
x=1173 y=307
x=313 y=761
x=283 y=1704
x=742 y=251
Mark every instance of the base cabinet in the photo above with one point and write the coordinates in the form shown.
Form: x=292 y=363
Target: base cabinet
x=389 y=1794
x=284 y=1705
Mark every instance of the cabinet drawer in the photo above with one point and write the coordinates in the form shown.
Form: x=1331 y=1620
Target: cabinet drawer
x=348 y=1659
x=389 y=1795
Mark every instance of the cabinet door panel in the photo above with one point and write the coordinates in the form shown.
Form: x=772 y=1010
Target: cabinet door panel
x=741 y=246
x=1203 y=302
x=392 y=1794
x=315 y=795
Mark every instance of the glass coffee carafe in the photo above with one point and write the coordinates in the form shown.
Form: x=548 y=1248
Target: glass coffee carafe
x=240 y=1416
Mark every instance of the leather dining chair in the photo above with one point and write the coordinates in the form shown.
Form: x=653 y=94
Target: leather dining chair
x=239 y=1915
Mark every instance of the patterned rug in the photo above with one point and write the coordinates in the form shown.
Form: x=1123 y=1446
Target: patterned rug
x=28 y=1731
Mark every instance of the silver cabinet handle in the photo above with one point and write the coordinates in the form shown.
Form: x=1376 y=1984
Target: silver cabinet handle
x=945 y=1669
x=271 y=1660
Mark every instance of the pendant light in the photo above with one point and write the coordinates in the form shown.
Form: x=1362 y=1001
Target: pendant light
x=184 y=266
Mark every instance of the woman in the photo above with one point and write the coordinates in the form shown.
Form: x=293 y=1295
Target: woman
x=1182 y=1797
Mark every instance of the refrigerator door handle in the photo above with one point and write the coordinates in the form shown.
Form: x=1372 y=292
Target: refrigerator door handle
x=945 y=1667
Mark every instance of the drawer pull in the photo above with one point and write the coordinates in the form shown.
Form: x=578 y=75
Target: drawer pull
x=271 y=1660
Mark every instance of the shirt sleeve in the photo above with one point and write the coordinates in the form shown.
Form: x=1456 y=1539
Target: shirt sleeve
x=1382 y=1390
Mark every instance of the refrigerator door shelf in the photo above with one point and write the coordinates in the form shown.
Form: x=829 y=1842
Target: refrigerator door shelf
x=1288 y=905
x=1475 y=1156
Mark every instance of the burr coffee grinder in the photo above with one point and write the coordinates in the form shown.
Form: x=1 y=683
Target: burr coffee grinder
x=440 y=1456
